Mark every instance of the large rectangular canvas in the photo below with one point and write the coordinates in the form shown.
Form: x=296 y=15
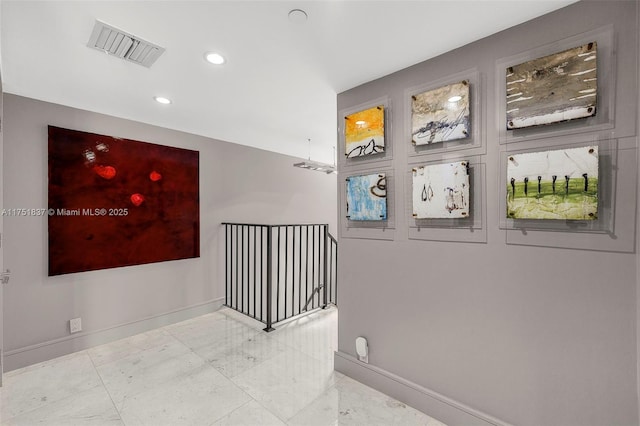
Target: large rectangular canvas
x=364 y=132
x=552 y=89
x=440 y=114
x=441 y=191
x=558 y=184
x=367 y=197
x=117 y=202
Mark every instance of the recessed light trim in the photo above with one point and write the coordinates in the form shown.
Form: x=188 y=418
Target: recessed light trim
x=298 y=16
x=162 y=100
x=455 y=98
x=214 y=58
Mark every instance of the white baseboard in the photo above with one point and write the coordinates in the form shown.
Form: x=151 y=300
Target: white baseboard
x=44 y=351
x=438 y=406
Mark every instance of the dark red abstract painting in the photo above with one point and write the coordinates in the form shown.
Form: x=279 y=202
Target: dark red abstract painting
x=116 y=202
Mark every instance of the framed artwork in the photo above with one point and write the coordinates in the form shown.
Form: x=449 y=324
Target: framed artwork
x=558 y=184
x=441 y=191
x=364 y=132
x=555 y=88
x=117 y=202
x=367 y=197
x=440 y=114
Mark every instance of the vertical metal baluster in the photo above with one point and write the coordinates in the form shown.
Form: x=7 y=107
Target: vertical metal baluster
x=230 y=266
x=306 y=268
x=325 y=237
x=261 y=273
x=241 y=294
x=300 y=271
x=330 y=269
x=293 y=273
x=247 y=295
x=255 y=262
x=235 y=305
x=245 y=284
x=248 y=280
x=269 y=281
x=243 y=297
x=241 y=268
x=278 y=280
x=226 y=265
x=313 y=267
x=286 y=268
x=319 y=269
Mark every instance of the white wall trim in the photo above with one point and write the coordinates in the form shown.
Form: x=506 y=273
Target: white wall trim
x=430 y=402
x=21 y=357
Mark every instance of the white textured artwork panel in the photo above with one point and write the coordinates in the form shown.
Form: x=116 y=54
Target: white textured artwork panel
x=441 y=191
x=441 y=114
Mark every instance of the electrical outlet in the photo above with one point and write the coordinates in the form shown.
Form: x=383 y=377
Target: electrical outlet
x=75 y=325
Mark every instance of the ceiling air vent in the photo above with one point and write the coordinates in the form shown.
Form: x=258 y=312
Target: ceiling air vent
x=124 y=45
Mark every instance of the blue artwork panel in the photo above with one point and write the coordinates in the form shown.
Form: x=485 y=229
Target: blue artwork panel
x=367 y=197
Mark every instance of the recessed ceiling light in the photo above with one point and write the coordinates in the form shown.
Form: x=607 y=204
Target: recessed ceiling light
x=214 y=58
x=297 y=16
x=162 y=100
x=455 y=98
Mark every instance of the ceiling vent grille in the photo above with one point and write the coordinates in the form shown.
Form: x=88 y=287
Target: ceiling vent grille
x=123 y=45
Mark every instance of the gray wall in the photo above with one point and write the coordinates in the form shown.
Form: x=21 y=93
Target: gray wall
x=528 y=334
x=1 y=231
x=237 y=183
x=638 y=244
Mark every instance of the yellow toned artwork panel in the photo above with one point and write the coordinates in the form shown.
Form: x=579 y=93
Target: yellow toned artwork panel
x=364 y=124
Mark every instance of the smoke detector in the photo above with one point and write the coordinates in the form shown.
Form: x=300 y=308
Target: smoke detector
x=123 y=45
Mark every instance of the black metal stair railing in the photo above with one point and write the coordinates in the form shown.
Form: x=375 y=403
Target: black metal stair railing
x=275 y=272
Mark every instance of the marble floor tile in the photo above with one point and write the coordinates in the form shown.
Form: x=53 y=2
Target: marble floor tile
x=147 y=369
x=41 y=384
x=214 y=370
x=220 y=330
x=89 y=408
x=119 y=349
x=234 y=360
x=352 y=403
x=250 y=414
x=199 y=397
x=315 y=334
x=288 y=382
x=244 y=319
x=197 y=322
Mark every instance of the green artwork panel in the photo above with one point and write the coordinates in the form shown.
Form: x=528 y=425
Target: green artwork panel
x=559 y=184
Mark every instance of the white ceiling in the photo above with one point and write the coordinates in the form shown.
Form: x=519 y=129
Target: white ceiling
x=278 y=88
